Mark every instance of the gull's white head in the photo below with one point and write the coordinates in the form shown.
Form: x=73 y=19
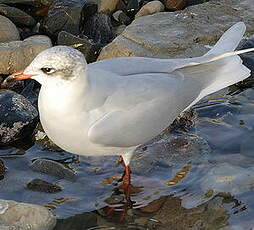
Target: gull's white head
x=59 y=64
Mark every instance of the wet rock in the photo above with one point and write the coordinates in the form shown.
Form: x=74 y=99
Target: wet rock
x=150 y=8
x=77 y=221
x=225 y=177
x=17 y=16
x=67 y=16
x=22 y=216
x=17 y=55
x=8 y=31
x=180 y=34
x=121 y=17
x=154 y=206
x=114 y=199
x=41 y=138
x=18 y=117
x=107 y=6
x=99 y=29
x=43 y=186
x=211 y=215
x=53 y=168
x=168 y=151
x=174 y=4
x=84 y=45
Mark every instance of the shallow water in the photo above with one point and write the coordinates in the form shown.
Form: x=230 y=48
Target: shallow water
x=199 y=179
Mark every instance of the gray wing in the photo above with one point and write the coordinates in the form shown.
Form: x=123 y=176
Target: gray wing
x=138 y=109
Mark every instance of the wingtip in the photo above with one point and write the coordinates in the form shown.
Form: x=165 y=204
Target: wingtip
x=240 y=25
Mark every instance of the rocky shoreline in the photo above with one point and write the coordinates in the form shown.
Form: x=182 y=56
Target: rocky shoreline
x=100 y=29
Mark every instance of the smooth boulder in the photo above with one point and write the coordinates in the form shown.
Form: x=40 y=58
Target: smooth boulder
x=17 y=55
x=186 y=33
x=22 y=216
x=8 y=31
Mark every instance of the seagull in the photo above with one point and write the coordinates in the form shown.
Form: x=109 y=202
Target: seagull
x=112 y=106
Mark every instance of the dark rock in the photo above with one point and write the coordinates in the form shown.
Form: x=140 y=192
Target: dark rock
x=31 y=91
x=41 y=138
x=26 y=33
x=67 y=16
x=248 y=61
x=2 y=169
x=195 y=2
x=16 y=86
x=99 y=28
x=17 y=16
x=132 y=7
x=174 y=4
x=17 y=115
x=84 y=45
x=121 y=17
x=43 y=186
x=28 y=2
x=248 y=44
x=53 y=168
x=77 y=221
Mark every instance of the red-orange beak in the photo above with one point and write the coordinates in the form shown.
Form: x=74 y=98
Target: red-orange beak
x=20 y=76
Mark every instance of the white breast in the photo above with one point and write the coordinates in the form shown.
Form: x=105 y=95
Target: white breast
x=66 y=120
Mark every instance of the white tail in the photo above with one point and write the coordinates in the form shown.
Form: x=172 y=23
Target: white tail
x=221 y=66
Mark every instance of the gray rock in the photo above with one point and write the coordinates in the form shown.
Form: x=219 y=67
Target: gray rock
x=18 y=117
x=150 y=8
x=180 y=34
x=84 y=45
x=17 y=16
x=22 y=216
x=8 y=31
x=53 y=168
x=17 y=55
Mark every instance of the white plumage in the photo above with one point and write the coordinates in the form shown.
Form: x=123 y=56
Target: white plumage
x=112 y=106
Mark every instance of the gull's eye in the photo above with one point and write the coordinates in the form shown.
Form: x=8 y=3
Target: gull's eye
x=48 y=70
